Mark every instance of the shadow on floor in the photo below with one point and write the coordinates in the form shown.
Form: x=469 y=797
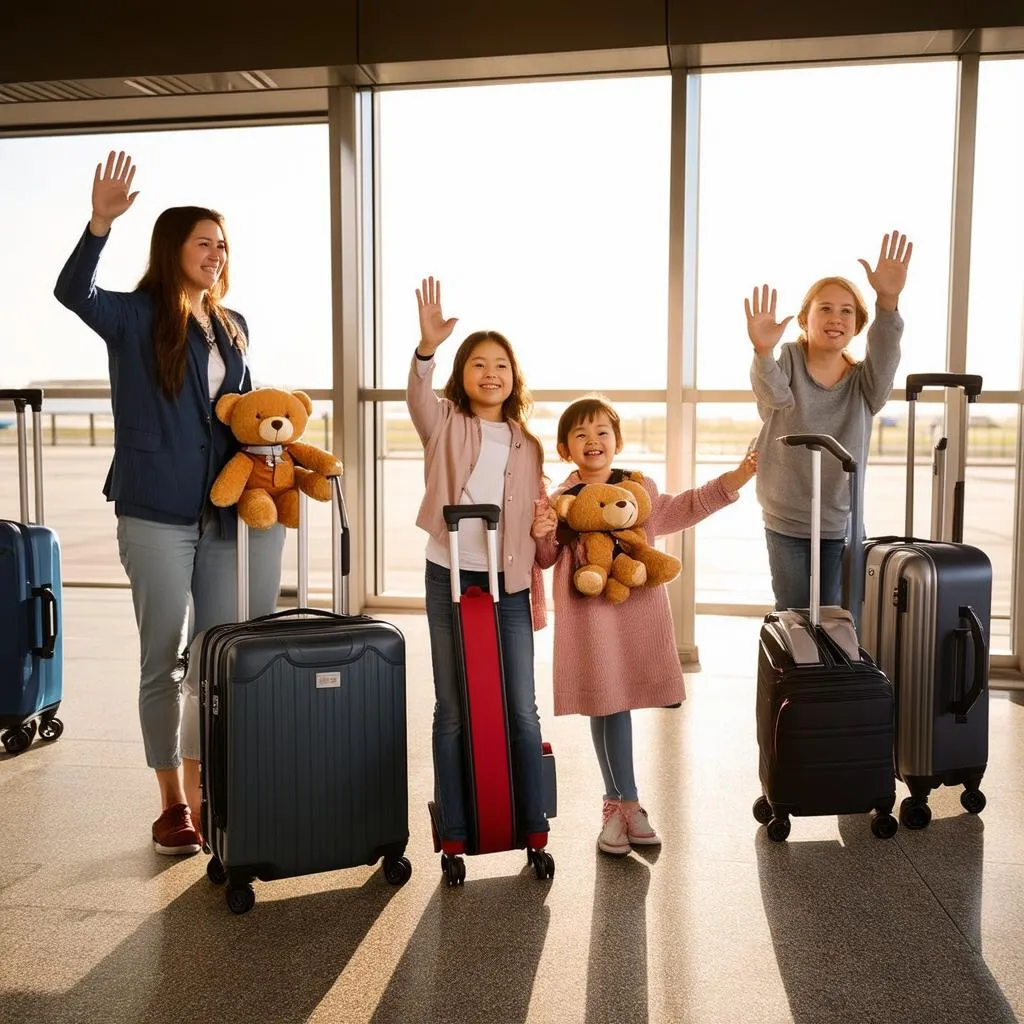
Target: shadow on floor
x=857 y=938
x=196 y=961
x=617 y=967
x=473 y=956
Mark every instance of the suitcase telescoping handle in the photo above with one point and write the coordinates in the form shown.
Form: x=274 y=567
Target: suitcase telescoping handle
x=340 y=559
x=33 y=398
x=970 y=385
x=855 y=572
x=453 y=515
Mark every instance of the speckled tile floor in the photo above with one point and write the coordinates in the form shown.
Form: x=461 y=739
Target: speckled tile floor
x=718 y=926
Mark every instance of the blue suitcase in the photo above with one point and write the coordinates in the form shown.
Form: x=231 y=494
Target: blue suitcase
x=31 y=651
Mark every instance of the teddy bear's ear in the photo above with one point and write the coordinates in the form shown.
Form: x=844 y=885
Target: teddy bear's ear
x=225 y=406
x=306 y=401
x=562 y=504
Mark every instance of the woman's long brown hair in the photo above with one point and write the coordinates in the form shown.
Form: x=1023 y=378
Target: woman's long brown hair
x=165 y=282
x=517 y=406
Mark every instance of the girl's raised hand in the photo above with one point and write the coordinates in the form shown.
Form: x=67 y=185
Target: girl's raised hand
x=890 y=275
x=111 y=194
x=433 y=326
x=736 y=478
x=762 y=329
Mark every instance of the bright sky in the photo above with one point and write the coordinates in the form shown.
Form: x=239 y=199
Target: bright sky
x=543 y=208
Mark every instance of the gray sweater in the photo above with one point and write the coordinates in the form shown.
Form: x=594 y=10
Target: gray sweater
x=790 y=401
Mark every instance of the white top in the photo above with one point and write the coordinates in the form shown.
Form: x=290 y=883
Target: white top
x=215 y=372
x=486 y=486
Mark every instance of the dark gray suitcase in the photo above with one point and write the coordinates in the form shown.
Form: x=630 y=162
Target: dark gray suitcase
x=927 y=607
x=303 y=741
x=824 y=710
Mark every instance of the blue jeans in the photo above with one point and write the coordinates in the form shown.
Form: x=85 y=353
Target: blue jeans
x=789 y=559
x=613 y=743
x=517 y=663
x=170 y=568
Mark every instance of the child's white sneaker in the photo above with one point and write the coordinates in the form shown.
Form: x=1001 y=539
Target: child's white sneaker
x=613 y=838
x=639 y=829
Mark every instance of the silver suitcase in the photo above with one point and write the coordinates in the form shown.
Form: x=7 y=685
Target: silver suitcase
x=925 y=621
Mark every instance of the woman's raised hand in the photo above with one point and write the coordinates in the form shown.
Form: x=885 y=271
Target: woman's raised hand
x=433 y=326
x=890 y=274
x=110 y=191
x=762 y=329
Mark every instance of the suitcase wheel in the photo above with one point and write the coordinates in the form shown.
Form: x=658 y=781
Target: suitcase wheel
x=884 y=826
x=215 y=871
x=241 y=898
x=914 y=814
x=17 y=741
x=397 y=870
x=543 y=863
x=453 y=870
x=763 y=810
x=778 y=829
x=973 y=801
x=51 y=730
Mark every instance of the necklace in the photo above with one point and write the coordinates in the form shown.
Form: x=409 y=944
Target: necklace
x=206 y=325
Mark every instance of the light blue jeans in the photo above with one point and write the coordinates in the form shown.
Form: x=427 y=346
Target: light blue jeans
x=172 y=570
x=517 y=662
x=613 y=744
x=789 y=559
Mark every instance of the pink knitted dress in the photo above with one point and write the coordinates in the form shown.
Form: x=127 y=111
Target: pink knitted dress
x=611 y=658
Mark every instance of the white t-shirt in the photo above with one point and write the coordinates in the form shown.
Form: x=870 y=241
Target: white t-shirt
x=215 y=372
x=486 y=486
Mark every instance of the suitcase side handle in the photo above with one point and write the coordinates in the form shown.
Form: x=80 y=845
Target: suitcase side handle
x=917 y=382
x=48 y=642
x=962 y=707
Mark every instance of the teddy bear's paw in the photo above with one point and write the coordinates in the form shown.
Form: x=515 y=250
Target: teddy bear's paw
x=615 y=592
x=316 y=486
x=629 y=572
x=589 y=580
x=257 y=508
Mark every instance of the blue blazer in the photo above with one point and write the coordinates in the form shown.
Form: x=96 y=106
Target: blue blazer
x=167 y=452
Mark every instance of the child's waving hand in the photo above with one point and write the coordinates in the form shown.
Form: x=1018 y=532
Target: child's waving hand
x=890 y=273
x=762 y=328
x=433 y=326
x=545 y=521
x=736 y=478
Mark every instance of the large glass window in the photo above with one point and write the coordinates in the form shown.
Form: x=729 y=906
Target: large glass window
x=543 y=209
x=801 y=173
x=271 y=184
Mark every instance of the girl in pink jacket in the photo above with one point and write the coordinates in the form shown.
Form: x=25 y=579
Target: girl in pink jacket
x=611 y=658
x=477 y=451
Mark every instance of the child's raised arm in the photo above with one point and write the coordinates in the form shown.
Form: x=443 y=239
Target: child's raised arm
x=890 y=274
x=770 y=384
x=434 y=329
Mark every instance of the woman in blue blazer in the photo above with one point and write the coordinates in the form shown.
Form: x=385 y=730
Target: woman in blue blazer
x=173 y=349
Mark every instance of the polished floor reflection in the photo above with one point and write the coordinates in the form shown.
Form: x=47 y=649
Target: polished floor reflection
x=718 y=926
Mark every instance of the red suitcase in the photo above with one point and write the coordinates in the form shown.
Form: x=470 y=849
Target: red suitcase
x=490 y=792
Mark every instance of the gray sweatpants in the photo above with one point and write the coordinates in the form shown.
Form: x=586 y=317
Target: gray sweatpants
x=174 y=570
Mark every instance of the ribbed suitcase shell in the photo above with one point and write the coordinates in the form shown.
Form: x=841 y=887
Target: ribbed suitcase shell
x=303 y=731
x=824 y=733
x=913 y=594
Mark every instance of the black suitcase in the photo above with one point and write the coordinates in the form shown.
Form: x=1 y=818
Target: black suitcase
x=926 y=621
x=491 y=798
x=303 y=739
x=31 y=635
x=824 y=710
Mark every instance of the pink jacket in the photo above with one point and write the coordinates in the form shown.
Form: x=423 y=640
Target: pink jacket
x=451 y=446
x=610 y=658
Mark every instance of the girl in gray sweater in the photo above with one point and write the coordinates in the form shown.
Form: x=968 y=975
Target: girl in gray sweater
x=816 y=386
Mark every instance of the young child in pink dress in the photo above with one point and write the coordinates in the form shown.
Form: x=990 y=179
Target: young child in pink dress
x=612 y=658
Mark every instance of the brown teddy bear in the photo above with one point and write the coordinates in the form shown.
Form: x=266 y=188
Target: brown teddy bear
x=616 y=557
x=265 y=477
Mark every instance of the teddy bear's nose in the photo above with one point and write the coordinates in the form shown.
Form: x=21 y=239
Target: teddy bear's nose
x=277 y=424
